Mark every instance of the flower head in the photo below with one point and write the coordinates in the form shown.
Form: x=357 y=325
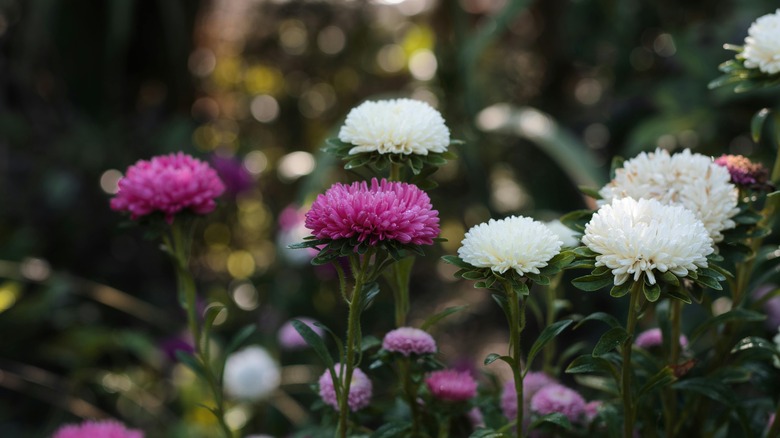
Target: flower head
x=516 y=242
x=408 y=341
x=532 y=383
x=642 y=237
x=558 y=398
x=251 y=374
x=687 y=179
x=451 y=385
x=744 y=173
x=168 y=184
x=397 y=126
x=762 y=45
x=383 y=211
x=360 y=389
x=290 y=339
x=97 y=429
x=592 y=409
x=654 y=337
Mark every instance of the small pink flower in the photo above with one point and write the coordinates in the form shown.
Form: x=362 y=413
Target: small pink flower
x=451 y=385
x=97 y=429
x=533 y=382
x=744 y=172
x=168 y=184
x=592 y=410
x=383 y=211
x=408 y=341
x=654 y=338
x=290 y=339
x=360 y=389
x=558 y=398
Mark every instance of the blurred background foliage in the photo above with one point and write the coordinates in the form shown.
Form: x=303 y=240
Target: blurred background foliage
x=544 y=94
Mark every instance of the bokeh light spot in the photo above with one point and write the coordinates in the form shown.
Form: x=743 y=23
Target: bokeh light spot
x=295 y=165
x=241 y=264
x=109 y=181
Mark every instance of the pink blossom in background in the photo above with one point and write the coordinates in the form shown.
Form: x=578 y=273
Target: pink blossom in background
x=558 y=398
x=533 y=382
x=476 y=418
x=233 y=174
x=97 y=429
x=383 y=211
x=771 y=306
x=654 y=338
x=451 y=385
x=408 y=341
x=292 y=229
x=168 y=184
x=744 y=172
x=360 y=389
x=592 y=410
x=290 y=339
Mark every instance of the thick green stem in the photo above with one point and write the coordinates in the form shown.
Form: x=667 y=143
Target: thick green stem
x=410 y=392
x=444 y=427
x=400 y=273
x=548 y=354
x=670 y=395
x=516 y=326
x=629 y=413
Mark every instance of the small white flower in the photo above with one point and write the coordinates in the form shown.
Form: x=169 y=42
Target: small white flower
x=397 y=126
x=762 y=46
x=251 y=374
x=635 y=237
x=693 y=181
x=516 y=242
x=569 y=237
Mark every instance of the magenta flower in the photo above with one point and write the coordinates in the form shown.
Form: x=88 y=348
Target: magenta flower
x=408 y=341
x=360 y=389
x=558 y=398
x=744 y=173
x=384 y=211
x=168 y=184
x=592 y=410
x=451 y=385
x=532 y=383
x=290 y=339
x=654 y=338
x=97 y=429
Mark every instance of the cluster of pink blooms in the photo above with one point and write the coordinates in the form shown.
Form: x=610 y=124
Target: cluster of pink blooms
x=451 y=385
x=97 y=429
x=360 y=389
x=744 y=172
x=168 y=184
x=558 y=398
x=533 y=382
x=382 y=211
x=408 y=341
x=654 y=338
x=290 y=339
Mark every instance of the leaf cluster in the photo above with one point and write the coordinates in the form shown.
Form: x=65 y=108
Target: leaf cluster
x=746 y=79
x=486 y=278
x=332 y=249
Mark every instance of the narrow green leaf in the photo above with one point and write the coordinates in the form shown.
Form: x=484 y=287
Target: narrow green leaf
x=738 y=314
x=457 y=261
x=748 y=217
x=757 y=123
x=369 y=342
x=669 y=278
x=609 y=341
x=392 y=430
x=431 y=320
x=357 y=162
x=709 y=282
x=708 y=387
x=678 y=294
x=548 y=334
x=589 y=191
x=191 y=362
x=555 y=418
x=617 y=163
x=661 y=379
x=599 y=316
x=370 y=292
x=755 y=342
x=590 y=283
x=240 y=338
x=486 y=433
x=473 y=275
x=314 y=340
x=621 y=289
x=588 y=364
x=492 y=357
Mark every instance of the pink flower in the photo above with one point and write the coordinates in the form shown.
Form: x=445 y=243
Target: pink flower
x=290 y=339
x=532 y=383
x=592 y=410
x=408 y=341
x=385 y=211
x=451 y=385
x=558 y=398
x=744 y=172
x=233 y=174
x=360 y=389
x=168 y=184
x=654 y=338
x=97 y=429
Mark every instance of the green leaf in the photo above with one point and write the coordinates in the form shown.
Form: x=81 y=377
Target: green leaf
x=609 y=341
x=599 y=316
x=492 y=357
x=590 y=191
x=431 y=320
x=314 y=340
x=577 y=219
x=738 y=314
x=486 y=433
x=360 y=161
x=621 y=289
x=711 y=388
x=548 y=334
x=617 y=163
x=457 y=261
x=589 y=364
x=473 y=275
x=678 y=294
x=590 y=283
x=392 y=430
x=661 y=379
x=652 y=292
x=555 y=418
x=503 y=303
x=191 y=362
x=584 y=251
x=369 y=342
x=369 y=291
x=748 y=217
x=240 y=338
x=755 y=342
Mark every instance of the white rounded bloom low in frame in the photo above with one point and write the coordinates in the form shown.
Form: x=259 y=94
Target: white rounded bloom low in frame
x=251 y=374
x=691 y=180
x=396 y=126
x=516 y=242
x=762 y=45
x=644 y=237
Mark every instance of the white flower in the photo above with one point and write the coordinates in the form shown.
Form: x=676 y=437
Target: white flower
x=762 y=46
x=569 y=237
x=691 y=180
x=635 y=237
x=516 y=242
x=251 y=374
x=397 y=126
x=775 y=360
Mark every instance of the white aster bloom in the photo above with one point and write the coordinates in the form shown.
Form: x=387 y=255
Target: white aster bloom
x=635 y=237
x=568 y=237
x=251 y=374
x=516 y=242
x=397 y=126
x=691 y=180
x=762 y=46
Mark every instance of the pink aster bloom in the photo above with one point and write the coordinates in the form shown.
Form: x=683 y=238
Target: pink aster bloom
x=532 y=383
x=654 y=338
x=451 y=385
x=383 y=211
x=360 y=389
x=744 y=172
x=408 y=341
x=97 y=429
x=558 y=398
x=290 y=339
x=592 y=410
x=169 y=184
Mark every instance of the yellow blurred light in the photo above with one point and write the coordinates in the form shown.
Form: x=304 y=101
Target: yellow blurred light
x=109 y=180
x=227 y=71
x=217 y=235
x=418 y=38
x=293 y=37
x=205 y=138
x=216 y=258
x=237 y=417
x=9 y=293
x=260 y=79
x=452 y=231
x=241 y=264
x=264 y=254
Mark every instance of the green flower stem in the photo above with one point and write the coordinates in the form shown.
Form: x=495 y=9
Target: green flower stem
x=516 y=325
x=178 y=245
x=410 y=392
x=548 y=353
x=625 y=383
x=353 y=339
x=670 y=396
x=400 y=272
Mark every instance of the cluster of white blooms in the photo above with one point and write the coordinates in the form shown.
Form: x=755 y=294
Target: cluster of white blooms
x=762 y=45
